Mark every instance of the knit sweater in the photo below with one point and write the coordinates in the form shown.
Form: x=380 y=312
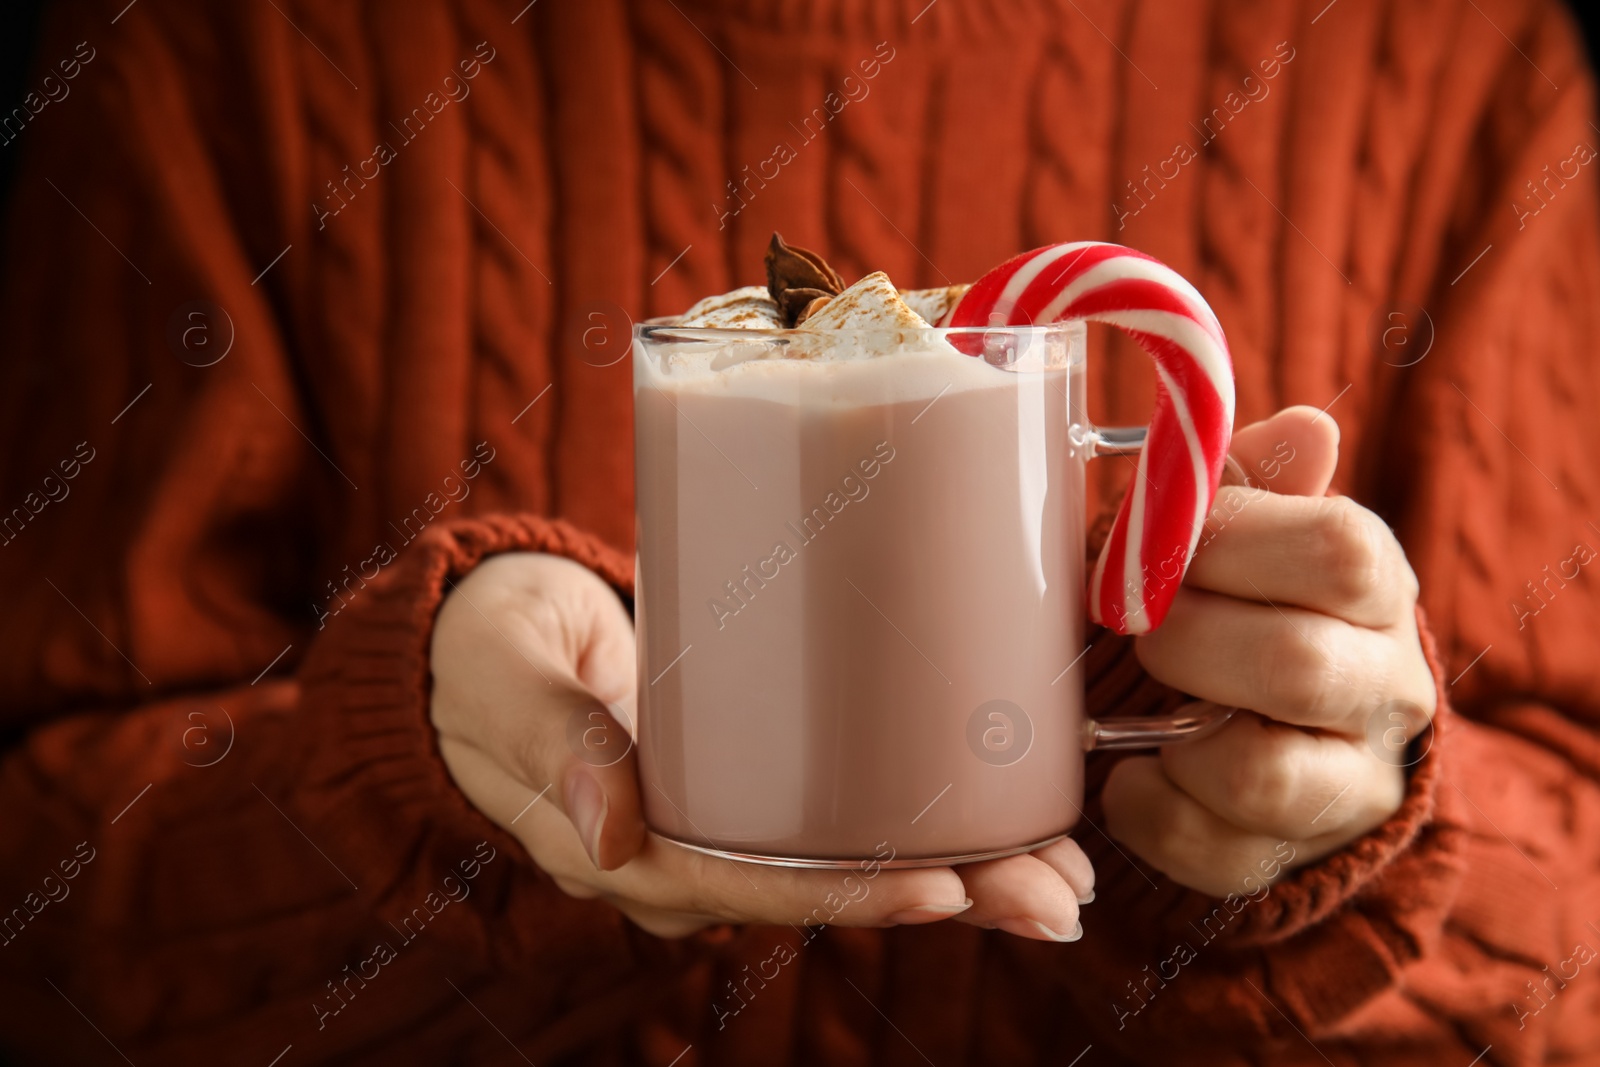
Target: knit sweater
x=288 y=282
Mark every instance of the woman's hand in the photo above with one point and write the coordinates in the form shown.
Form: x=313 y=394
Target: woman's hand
x=531 y=656
x=1299 y=608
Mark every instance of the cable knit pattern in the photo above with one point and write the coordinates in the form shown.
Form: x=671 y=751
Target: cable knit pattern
x=210 y=563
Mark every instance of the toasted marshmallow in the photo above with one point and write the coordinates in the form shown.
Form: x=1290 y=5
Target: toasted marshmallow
x=869 y=319
x=933 y=304
x=872 y=303
x=747 y=308
x=866 y=321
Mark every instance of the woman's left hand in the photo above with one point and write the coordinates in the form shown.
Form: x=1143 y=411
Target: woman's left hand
x=1299 y=609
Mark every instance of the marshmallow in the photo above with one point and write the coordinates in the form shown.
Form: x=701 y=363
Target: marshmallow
x=873 y=303
x=868 y=319
x=933 y=304
x=747 y=308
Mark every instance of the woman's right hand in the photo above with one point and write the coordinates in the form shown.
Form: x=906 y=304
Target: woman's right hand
x=533 y=659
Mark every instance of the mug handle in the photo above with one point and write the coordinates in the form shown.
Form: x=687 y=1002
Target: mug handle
x=1188 y=436
x=1138 y=731
x=1142 y=731
x=1189 y=430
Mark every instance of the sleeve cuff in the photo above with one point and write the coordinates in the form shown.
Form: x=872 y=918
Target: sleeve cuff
x=1336 y=933
x=1326 y=938
x=1359 y=872
x=376 y=786
x=372 y=679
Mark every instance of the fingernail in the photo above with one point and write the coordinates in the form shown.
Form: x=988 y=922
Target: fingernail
x=927 y=913
x=1035 y=930
x=586 y=807
x=1088 y=899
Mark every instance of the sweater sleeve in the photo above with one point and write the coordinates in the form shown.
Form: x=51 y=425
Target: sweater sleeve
x=227 y=820
x=238 y=854
x=1466 y=920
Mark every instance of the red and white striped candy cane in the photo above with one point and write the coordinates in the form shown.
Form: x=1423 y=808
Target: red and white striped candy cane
x=1187 y=443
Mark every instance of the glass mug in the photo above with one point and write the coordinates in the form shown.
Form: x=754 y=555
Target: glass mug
x=860 y=592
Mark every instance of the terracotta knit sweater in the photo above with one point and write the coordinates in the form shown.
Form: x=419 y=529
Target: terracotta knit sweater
x=219 y=789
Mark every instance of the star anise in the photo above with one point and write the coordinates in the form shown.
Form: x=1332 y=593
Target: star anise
x=796 y=277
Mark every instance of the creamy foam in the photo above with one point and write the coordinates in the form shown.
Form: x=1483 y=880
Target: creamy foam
x=933 y=304
x=871 y=313
x=859 y=377
x=747 y=308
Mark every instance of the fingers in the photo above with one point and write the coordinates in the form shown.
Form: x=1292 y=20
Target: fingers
x=1174 y=833
x=669 y=878
x=520 y=649
x=1294 y=452
x=1279 y=539
x=586 y=757
x=1022 y=895
x=1283 y=782
x=1293 y=665
x=604 y=650
x=533 y=725
x=1069 y=861
x=1326 y=554
x=1299 y=607
x=671 y=891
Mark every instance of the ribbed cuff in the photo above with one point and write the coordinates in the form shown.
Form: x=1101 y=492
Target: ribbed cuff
x=1321 y=942
x=375 y=784
x=371 y=664
x=1356 y=872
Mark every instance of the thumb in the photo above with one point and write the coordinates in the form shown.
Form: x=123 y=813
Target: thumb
x=1294 y=453
x=584 y=751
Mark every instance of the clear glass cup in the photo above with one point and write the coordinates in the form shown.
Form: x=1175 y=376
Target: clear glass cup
x=860 y=598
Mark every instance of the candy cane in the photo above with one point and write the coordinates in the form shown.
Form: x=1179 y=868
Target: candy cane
x=1153 y=538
